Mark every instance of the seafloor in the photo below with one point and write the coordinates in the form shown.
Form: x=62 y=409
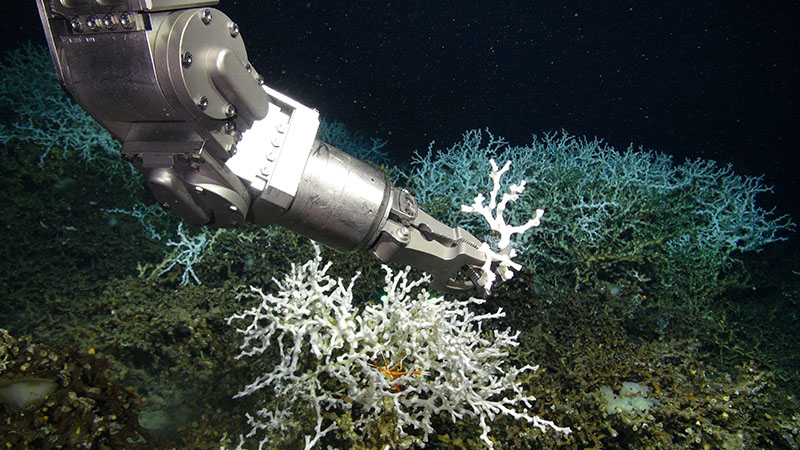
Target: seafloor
x=142 y=361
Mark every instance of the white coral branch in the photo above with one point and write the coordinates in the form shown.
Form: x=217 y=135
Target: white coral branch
x=493 y=214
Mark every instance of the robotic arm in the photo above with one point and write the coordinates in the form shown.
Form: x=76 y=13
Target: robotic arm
x=171 y=80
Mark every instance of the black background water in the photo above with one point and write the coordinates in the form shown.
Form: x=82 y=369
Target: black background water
x=711 y=79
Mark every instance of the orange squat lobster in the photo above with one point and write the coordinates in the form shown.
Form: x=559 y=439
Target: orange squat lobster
x=394 y=372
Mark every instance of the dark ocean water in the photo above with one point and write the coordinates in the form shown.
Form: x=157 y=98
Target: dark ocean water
x=711 y=79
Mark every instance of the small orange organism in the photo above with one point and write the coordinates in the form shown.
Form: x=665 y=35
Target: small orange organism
x=395 y=371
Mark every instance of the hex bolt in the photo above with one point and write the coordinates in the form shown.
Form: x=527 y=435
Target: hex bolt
x=186 y=60
x=93 y=23
x=76 y=25
x=206 y=16
x=403 y=233
x=202 y=103
x=234 y=30
x=126 y=20
x=230 y=126
x=230 y=111
x=109 y=23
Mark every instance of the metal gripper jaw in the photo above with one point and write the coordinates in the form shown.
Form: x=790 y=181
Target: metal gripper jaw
x=410 y=236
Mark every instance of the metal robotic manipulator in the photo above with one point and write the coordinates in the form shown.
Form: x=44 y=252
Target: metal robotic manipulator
x=170 y=79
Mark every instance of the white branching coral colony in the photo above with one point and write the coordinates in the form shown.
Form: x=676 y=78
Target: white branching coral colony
x=493 y=214
x=408 y=358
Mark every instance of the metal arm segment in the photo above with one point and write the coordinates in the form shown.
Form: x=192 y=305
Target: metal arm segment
x=171 y=80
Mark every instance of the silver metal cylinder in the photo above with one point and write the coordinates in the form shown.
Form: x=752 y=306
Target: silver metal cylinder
x=341 y=201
